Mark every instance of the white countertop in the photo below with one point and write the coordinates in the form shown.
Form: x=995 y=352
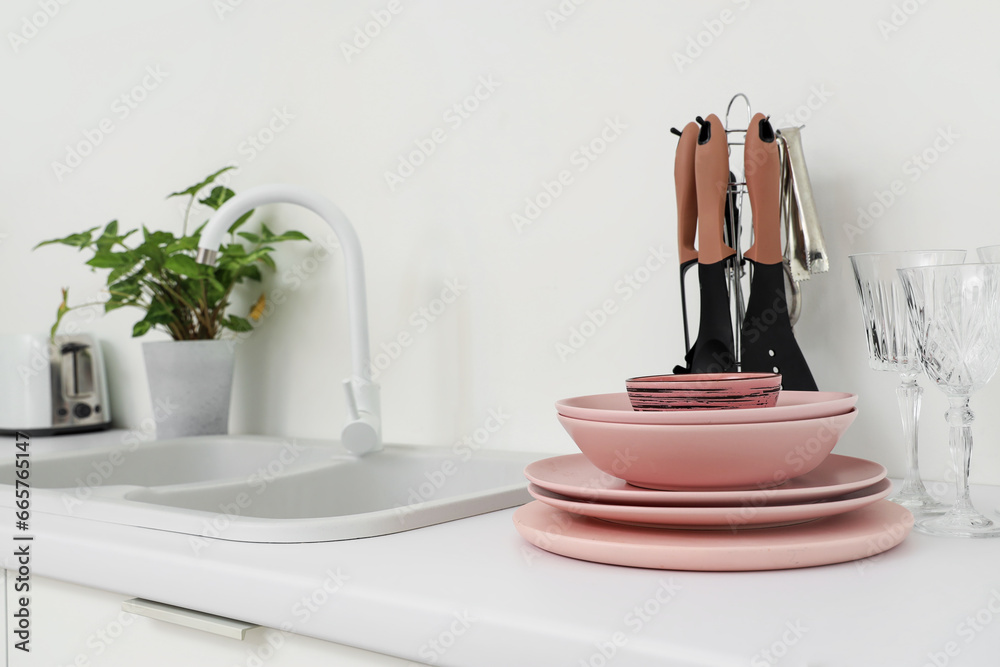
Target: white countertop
x=477 y=586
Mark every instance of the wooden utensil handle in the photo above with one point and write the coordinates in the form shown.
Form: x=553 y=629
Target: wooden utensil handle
x=762 y=166
x=687 y=195
x=711 y=162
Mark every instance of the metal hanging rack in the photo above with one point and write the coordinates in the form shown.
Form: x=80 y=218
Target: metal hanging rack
x=735 y=225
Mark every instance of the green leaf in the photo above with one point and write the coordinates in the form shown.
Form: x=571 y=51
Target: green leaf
x=153 y=255
x=239 y=221
x=259 y=253
x=237 y=323
x=215 y=290
x=114 y=304
x=184 y=265
x=231 y=257
x=252 y=238
x=183 y=243
x=129 y=287
x=291 y=236
x=219 y=196
x=192 y=290
x=140 y=328
x=109 y=237
x=232 y=251
x=193 y=190
x=160 y=312
x=250 y=271
x=105 y=259
x=197 y=233
x=158 y=238
x=265 y=232
x=80 y=240
x=122 y=270
x=269 y=261
x=130 y=260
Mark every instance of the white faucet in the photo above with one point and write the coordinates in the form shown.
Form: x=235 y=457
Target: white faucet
x=363 y=431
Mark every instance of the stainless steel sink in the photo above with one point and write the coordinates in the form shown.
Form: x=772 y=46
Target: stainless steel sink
x=258 y=489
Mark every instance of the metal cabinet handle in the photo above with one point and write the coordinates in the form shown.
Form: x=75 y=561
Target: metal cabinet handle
x=217 y=625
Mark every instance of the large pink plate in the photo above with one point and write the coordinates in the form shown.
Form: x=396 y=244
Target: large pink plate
x=734 y=518
x=845 y=537
x=792 y=406
x=576 y=477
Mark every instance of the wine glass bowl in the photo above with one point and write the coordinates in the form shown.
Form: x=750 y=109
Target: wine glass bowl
x=892 y=347
x=989 y=254
x=954 y=313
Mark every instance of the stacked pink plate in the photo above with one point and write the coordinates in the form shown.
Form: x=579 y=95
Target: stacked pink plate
x=743 y=489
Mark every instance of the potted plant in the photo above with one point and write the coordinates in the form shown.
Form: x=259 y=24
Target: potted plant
x=155 y=272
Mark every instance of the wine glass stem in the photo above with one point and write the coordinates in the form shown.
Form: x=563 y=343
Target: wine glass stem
x=960 y=418
x=908 y=395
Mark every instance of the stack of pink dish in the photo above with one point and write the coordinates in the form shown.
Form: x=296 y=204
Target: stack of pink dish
x=740 y=489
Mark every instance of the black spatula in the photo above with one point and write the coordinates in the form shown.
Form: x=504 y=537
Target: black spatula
x=687 y=211
x=712 y=351
x=768 y=344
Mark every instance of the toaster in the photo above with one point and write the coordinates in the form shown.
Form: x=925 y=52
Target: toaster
x=48 y=387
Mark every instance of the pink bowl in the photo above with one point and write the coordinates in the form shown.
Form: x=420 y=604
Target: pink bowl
x=791 y=405
x=704 y=391
x=711 y=457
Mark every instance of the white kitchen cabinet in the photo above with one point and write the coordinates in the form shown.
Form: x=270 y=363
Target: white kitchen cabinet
x=76 y=626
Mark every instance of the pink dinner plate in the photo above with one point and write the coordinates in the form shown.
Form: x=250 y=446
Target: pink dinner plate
x=792 y=406
x=845 y=537
x=576 y=477
x=719 y=518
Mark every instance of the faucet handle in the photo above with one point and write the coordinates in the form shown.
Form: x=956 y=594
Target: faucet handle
x=352 y=401
x=362 y=433
x=361 y=436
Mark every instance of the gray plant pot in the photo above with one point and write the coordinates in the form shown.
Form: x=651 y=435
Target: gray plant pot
x=190 y=383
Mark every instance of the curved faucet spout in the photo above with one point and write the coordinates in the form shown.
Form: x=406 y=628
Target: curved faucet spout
x=363 y=432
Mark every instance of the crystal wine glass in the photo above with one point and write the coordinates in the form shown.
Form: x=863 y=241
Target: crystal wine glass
x=990 y=253
x=891 y=347
x=955 y=315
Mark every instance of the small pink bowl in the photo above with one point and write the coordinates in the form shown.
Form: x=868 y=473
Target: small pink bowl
x=704 y=391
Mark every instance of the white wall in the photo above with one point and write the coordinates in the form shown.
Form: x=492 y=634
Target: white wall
x=885 y=97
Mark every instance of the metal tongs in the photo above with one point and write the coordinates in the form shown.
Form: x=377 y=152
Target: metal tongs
x=805 y=248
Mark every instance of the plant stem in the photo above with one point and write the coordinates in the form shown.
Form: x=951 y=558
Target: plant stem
x=180 y=298
x=223 y=303
x=175 y=331
x=187 y=213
